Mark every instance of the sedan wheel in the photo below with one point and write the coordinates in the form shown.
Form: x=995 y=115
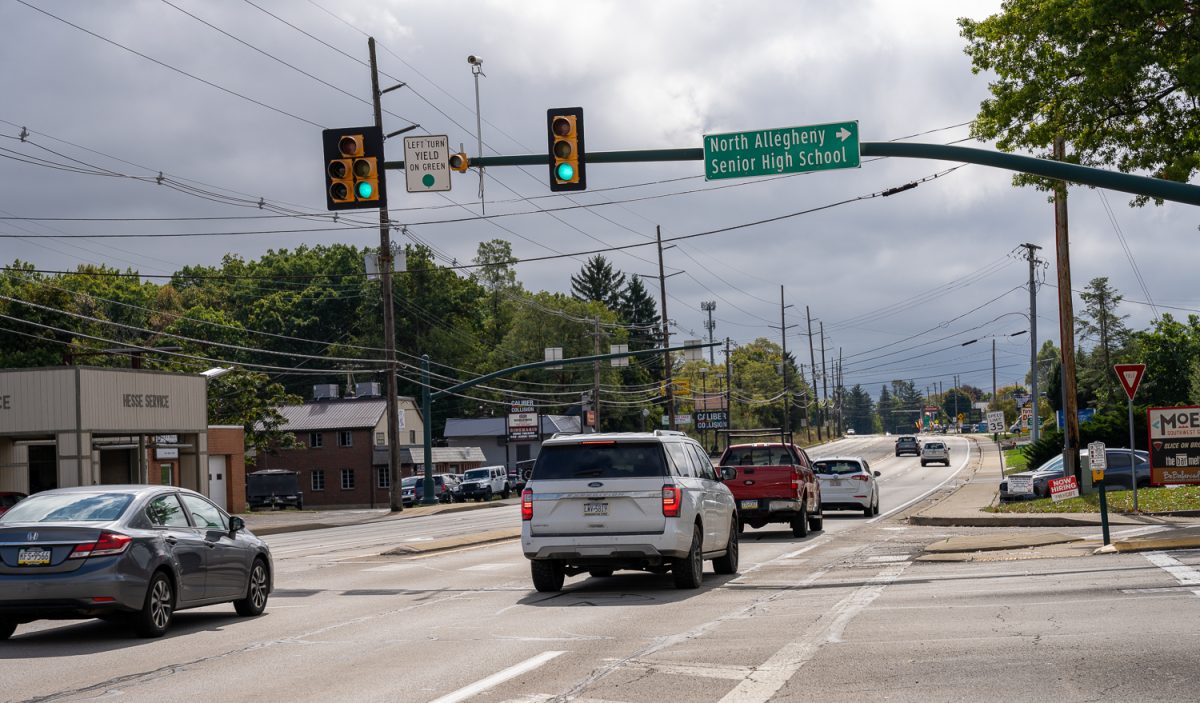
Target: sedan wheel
x=255 y=601
x=155 y=616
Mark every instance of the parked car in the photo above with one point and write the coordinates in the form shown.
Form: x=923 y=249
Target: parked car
x=485 y=482
x=847 y=483
x=773 y=482
x=442 y=487
x=131 y=553
x=8 y=499
x=275 y=488
x=850 y=432
x=1116 y=475
x=907 y=444
x=647 y=501
x=408 y=490
x=932 y=452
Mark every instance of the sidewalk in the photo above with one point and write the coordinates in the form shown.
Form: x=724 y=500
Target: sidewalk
x=271 y=522
x=964 y=507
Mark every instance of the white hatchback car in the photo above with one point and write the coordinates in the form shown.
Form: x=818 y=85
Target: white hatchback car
x=847 y=483
x=649 y=501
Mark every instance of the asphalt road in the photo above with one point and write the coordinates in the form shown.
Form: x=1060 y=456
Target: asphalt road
x=846 y=614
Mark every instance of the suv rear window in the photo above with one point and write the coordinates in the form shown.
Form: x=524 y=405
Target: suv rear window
x=612 y=460
x=836 y=468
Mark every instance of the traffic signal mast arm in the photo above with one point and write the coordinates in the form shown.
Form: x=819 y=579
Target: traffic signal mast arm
x=1084 y=175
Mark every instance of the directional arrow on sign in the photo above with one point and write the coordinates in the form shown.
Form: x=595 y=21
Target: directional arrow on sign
x=1130 y=376
x=843 y=134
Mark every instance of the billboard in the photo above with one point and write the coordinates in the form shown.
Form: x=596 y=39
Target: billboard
x=1174 y=445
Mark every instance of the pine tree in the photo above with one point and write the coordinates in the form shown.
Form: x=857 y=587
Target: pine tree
x=598 y=281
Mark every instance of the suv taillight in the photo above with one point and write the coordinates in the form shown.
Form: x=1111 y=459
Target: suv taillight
x=672 y=498
x=860 y=477
x=109 y=543
x=527 y=504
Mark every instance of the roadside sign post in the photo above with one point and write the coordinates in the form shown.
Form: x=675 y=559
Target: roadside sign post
x=1130 y=376
x=995 y=421
x=1098 y=462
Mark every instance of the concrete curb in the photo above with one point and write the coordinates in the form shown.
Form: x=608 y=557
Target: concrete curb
x=438 y=545
x=408 y=513
x=989 y=543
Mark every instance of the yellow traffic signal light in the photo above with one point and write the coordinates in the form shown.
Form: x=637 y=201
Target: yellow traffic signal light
x=564 y=127
x=460 y=162
x=354 y=168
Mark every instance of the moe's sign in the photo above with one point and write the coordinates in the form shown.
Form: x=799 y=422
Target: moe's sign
x=1174 y=445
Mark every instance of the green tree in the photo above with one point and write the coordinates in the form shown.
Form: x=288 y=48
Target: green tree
x=640 y=313
x=954 y=401
x=886 y=405
x=598 y=281
x=498 y=277
x=859 y=410
x=1119 y=79
x=251 y=399
x=1169 y=350
x=1099 y=324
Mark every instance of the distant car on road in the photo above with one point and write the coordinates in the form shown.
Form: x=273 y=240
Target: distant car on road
x=8 y=499
x=907 y=444
x=848 y=483
x=935 y=452
x=131 y=553
x=274 y=488
x=850 y=431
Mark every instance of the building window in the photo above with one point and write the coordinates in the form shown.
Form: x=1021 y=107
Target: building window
x=345 y=438
x=380 y=439
x=383 y=477
x=347 y=479
x=318 y=479
x=315 y=440
x=412 y=436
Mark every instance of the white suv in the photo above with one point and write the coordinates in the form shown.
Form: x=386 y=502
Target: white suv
x=649 y=501
x=935 y=451
x=484 y=482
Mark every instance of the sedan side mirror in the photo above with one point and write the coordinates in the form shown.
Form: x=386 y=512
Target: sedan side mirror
x=236 y=524
x=876 y=473
x=728 y=473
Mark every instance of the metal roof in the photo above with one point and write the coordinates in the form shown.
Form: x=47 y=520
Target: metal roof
x=347 y=414
x=442 y=455
x=495 y=427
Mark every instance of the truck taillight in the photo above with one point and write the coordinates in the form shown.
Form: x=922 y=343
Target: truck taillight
x=795 y=481
x=671 y=500
x=527 y=504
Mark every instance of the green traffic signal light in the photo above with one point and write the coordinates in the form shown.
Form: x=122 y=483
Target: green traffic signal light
x=565 y=172
x=365 y=190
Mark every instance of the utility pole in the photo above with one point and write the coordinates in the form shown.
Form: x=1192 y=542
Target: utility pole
x=813 y=363
x=824 y=376
x=389 y=323
x=839 y=393
x=666 y=333
x=728 y=390
x=1066 y=323
x=708 y=306
x=787 y=395
x=995 y=390
x=596 y=379
x=1031 y=255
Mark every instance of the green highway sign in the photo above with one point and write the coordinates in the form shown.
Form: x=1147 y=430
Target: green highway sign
x=767 y=152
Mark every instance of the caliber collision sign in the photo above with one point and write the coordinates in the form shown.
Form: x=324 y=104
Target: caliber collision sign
x=1174 y=445
x=522 y=421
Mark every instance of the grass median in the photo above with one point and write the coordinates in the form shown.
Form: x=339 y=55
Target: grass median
x=1150 y=500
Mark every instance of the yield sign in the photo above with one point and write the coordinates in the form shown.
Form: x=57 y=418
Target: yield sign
x=1131 y=376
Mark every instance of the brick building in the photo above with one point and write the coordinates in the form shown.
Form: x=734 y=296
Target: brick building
x=343 y=459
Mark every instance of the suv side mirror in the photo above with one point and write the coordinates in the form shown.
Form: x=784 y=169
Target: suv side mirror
x=728 y=473
x=236 y=524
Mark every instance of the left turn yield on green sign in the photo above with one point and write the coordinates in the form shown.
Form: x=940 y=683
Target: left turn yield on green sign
x=427 y=163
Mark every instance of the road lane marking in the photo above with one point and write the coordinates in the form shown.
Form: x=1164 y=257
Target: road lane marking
x=487 y=567
x=1184 y=574
x=926 y=494
x=765 y=680
x=497 y=678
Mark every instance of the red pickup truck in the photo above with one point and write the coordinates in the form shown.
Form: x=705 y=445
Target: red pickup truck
x=773 y=482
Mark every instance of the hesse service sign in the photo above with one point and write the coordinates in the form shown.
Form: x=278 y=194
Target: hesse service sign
x=1174 y=445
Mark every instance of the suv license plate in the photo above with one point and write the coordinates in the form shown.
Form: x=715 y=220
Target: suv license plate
x=749 y=505
x=33 y=557
x=595 y=508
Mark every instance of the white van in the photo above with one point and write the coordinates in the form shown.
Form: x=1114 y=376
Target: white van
x=485 y=482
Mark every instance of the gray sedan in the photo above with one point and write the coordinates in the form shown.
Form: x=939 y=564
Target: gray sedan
x=131 y=553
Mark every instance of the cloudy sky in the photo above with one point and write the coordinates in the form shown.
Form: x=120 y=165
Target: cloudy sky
x=227 y=100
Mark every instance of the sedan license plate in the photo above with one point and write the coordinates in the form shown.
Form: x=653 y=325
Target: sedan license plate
x=749 y=505
x=33 y=557
x=595 y=508
x=836 y=482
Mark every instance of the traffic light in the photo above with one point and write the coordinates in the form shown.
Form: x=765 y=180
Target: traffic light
x=568 y=167
x=460 y=162
x=354 y=174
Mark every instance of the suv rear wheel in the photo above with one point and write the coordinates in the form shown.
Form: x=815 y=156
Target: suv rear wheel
x=547 y=575
x=728 y=564
x=689 y=571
